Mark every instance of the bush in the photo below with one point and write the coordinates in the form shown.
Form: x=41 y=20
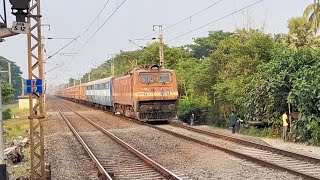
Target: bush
x=6 y=114
x=199 y=106
x=261 y=132
x=214 y=117
x=307 y=129
x=186 y=108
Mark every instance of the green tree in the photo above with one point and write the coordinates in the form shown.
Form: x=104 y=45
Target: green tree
x=305 y=96
x=172 y=55
x=203 y=47
x=235 y=60
x=301 y=34
x=15 y=75
x=7 y=93
x=312 y=15
x=185 y=71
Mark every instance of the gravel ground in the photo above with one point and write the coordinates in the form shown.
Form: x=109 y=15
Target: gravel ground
x=65 y=154
x=183 y=157
x=116 y=159
x=228 y=132
x=193 y=160
x=313 y=151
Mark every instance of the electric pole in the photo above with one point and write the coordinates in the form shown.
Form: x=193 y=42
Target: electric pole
x=161 y=53
x=9 y=70
x=112 y=64
x=112 y=67
x=22 y=85
x=36 y=74
x=9 y=73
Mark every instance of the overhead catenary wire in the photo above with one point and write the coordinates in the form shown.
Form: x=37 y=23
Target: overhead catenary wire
x=75 y=39
x=105 y=5
x=113 y=13
x=62 y=48
x=175 y=24
x=142 y=48
x=195 y=14
x=234 y=12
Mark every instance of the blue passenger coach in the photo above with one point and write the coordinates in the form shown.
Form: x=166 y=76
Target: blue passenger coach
x=99 y=93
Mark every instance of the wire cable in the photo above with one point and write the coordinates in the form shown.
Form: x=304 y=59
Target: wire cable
x=234 y=12
x=195 y=14
x=101 y=26
x=94 y=20
x=142 y=48
x=61 y=48
x=105 y=5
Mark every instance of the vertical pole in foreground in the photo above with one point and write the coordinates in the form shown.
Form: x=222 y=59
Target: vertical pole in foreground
x=289 y=115
x=5 y=13
x=37 y=112
x=3 y=167
x=10 y=76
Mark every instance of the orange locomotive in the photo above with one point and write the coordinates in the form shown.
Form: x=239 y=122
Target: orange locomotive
x=147 y=94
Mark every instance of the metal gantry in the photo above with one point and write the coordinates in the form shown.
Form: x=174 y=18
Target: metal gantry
x=37 y=112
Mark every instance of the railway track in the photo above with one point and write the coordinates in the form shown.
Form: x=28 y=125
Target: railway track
x=298 y=164
x=114 y=158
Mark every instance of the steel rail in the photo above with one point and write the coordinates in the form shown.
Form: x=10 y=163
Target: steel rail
x=235 y=153
x=85 y=146
x=250 y=144
x=232 y=152
x=146 y=159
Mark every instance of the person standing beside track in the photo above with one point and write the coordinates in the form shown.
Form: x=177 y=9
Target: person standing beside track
x=233 y=121
x=285 y=125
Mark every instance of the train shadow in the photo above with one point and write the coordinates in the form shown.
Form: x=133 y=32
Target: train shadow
x=158 y=122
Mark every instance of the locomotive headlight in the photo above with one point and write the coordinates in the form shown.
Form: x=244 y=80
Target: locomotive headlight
x=172 y=107
x=144 y=108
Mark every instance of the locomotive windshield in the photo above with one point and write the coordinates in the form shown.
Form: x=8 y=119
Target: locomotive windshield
x=152 y=78
x=164 y=78
x=146 y=78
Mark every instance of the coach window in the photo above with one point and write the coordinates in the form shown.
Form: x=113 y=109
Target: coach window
x=102 y=86
x=164 y=78
x=146 y=78
x=107 y=85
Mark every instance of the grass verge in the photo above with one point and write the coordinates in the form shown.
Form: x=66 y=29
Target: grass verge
x=261 y=132
x=15 y=128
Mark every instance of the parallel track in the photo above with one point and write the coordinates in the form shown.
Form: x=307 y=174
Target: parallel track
x=297 y=164
x=301 y=165
x=132 y=164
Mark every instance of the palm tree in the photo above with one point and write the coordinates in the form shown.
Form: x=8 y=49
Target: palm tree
x=301 y=34
x=312 y=15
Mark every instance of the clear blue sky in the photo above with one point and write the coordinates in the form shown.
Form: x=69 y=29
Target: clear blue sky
x=69 y=18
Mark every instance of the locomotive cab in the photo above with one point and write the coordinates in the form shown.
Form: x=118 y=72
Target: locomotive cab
x=156 y=94
x=147 y=94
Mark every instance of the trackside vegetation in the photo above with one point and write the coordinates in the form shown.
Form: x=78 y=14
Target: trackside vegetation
x=248 y=71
